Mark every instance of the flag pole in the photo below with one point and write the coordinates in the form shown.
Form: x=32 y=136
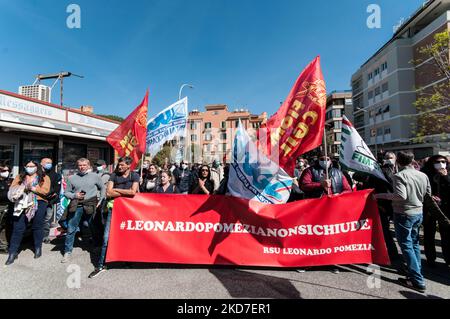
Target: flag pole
x=326 y=155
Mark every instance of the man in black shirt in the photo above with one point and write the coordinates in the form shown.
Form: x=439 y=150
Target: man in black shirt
x=122 y=183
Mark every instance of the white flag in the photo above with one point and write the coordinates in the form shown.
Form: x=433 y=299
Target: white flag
x=254 y=176
x=169 y=123
x=354 y=153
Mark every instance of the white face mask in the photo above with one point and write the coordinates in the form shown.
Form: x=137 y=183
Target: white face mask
x=172 y=169
x=389 y=162
x=100 y=168
x=4 y=174
x=184 y=166
x=30 y=170
x=439 y=166
x=325 y=164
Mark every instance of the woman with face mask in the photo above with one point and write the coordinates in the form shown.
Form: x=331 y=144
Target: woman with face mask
x=436 y=169
x=150 y=180
x=35 y=185
x=204 y=184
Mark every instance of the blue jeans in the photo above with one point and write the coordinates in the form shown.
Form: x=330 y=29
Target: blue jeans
x=20 y=224
x=101 y=260
x=73 y=226
x=407 y=232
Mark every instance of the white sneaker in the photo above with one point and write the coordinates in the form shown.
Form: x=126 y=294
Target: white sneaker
x=66 y=258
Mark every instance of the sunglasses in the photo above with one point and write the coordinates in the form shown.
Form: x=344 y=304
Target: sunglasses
x=442 y=161
x=204 y=170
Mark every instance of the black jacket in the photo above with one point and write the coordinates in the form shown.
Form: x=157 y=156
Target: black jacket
x=55 y=187
x=184 y=179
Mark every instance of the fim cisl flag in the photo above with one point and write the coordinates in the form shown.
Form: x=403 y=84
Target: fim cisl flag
x=169 y=123
x=254 y=176
x=354 y=153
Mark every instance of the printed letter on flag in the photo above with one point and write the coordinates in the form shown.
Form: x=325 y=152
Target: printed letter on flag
x=298 y=125
x=354 y=153
x=129 y=138
x=254 y=176
x=166 y=125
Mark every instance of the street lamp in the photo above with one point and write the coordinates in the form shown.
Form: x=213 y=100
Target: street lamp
x=181 y=89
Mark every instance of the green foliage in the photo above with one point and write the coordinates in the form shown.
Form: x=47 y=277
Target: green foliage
x=113 y=117
x=433 y=103
x=160 y=158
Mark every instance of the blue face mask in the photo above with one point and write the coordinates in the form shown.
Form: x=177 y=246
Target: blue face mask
x=48 y=166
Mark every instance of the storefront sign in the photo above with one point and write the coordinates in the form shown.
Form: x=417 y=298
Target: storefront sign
x=84 y=120
x=15 y=104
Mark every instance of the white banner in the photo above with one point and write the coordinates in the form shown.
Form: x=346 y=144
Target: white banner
x=169 y=123
x=354 y=153
x=254 y=176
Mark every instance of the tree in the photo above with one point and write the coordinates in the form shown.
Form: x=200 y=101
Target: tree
x=433 y=103
x=165 y=153
x=113 y=117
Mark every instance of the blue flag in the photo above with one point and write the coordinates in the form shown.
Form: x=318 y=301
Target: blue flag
x=254 y=176
x=169 y=123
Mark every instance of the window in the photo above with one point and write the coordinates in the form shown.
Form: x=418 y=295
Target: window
x=193 y=125
x=36 y=150
x=386 y=109
x=385 y=87
x=193 y=138
x=207 y=125
x=224 y=148
x=370 y=95
x=208 y=137
x=377 y=91
x=223 y=125
x=379 y=131
x=237 y=123
x=216 y=112
x=387 y=130
x=337 y=125
x=256 y=125
x=370 y=76
x=384 y=66
x=337 y=113
x=7 y=154
x=223 y=136
x=71 y=153
x=338 y=137
x=371 y=113
x=377 y=71
x=373 y=132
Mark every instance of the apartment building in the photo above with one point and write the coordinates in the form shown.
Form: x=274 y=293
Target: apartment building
x=387 y=85
x=212 y=132
x=339 y=103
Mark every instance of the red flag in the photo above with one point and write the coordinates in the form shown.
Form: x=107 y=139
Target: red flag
x=298 y=125
x=129 y=139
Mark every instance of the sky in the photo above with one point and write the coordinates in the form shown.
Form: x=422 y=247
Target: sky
x=243 y=53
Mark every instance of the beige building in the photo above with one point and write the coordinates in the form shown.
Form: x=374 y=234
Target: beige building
x=210 y=134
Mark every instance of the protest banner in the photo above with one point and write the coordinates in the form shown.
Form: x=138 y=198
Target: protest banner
x=223 y=230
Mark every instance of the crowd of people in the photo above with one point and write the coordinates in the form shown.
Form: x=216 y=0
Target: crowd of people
x=415 y=193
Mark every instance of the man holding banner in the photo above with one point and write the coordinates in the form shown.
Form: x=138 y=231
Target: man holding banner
x=122 y=183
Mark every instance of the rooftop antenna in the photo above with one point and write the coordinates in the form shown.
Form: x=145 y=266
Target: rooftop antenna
x=59 y=77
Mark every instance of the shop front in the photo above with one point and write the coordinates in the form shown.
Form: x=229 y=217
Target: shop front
x=32 y=129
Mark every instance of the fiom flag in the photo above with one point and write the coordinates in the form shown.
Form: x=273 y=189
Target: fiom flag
x=129 y=138
x=354 y=153
x=254 y=176
x=298 y=125
x=169 y=123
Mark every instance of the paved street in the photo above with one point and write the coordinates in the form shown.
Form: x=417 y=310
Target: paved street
x=47 y=278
